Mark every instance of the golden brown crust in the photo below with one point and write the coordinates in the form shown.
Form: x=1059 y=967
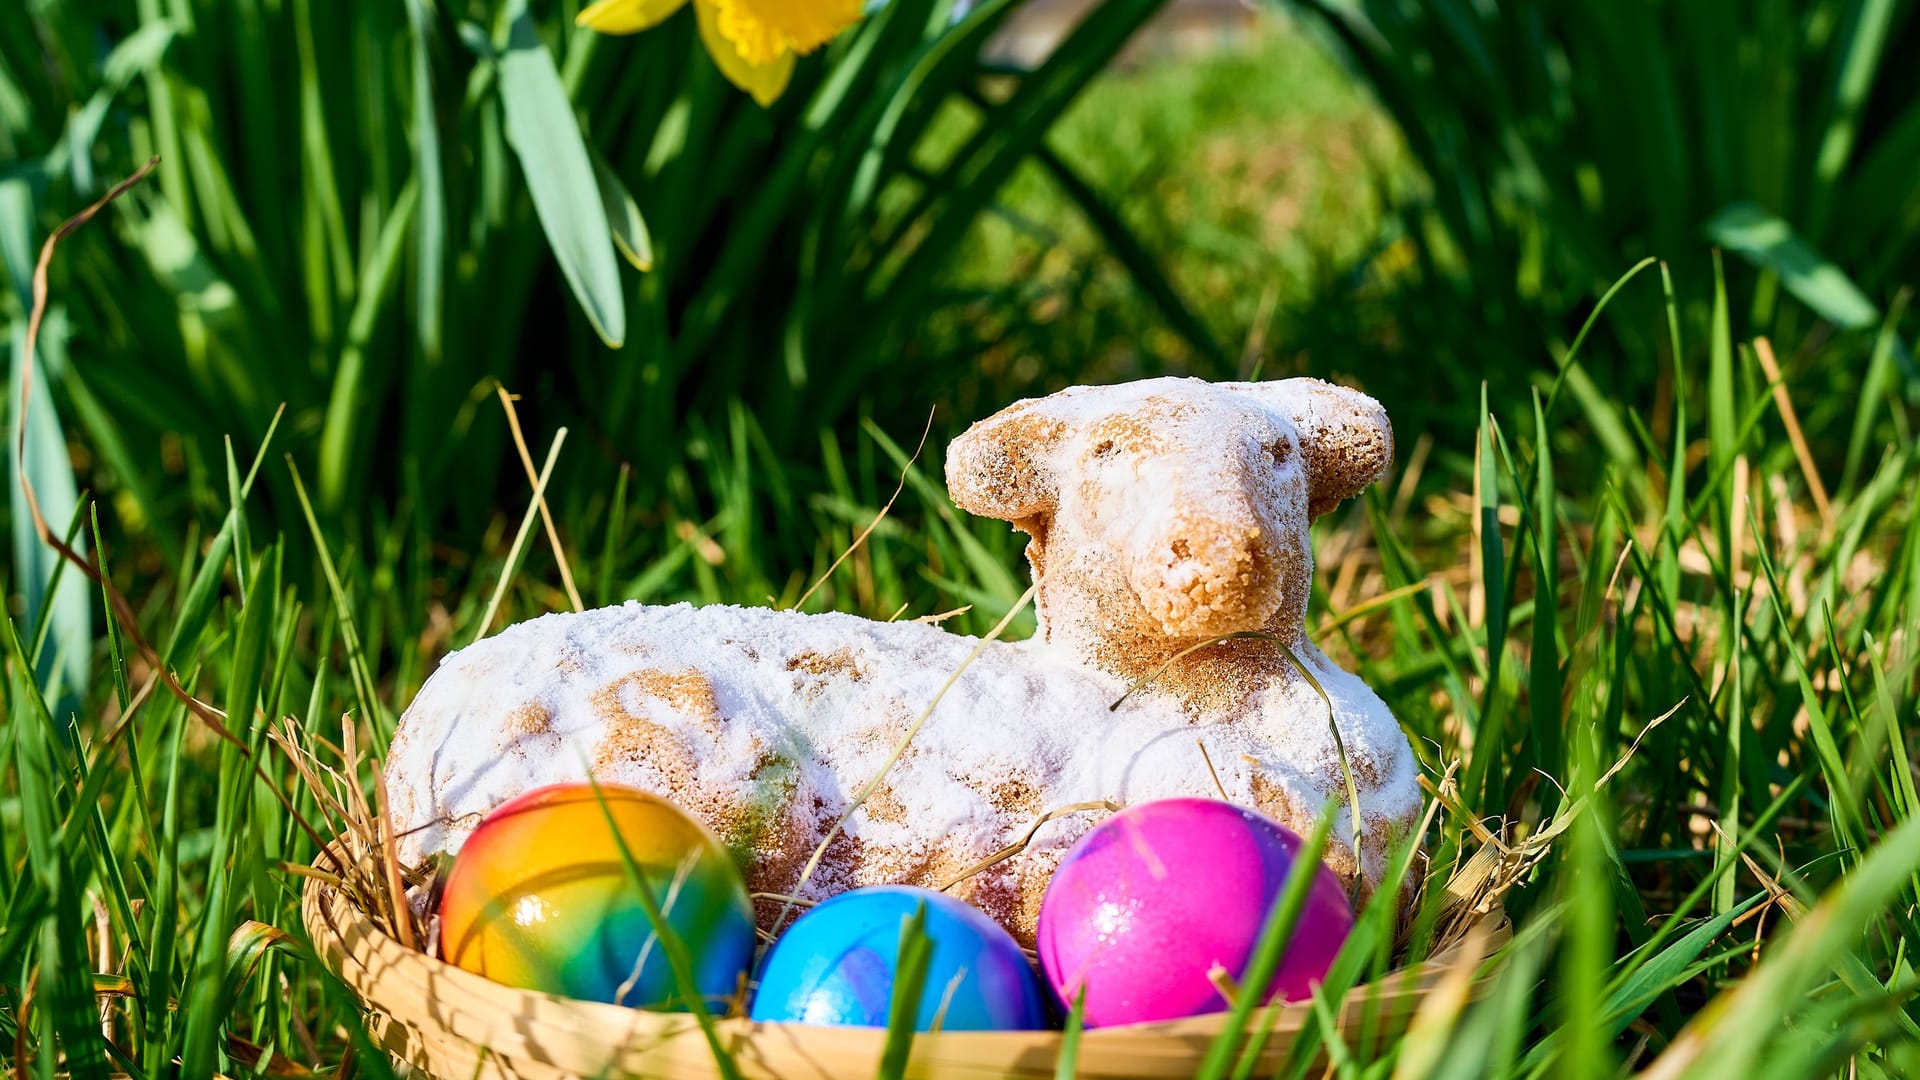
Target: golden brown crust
x=999 y=467
x=842 y=662
x=527 y=720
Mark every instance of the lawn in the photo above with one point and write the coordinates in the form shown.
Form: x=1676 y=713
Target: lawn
x=1641 y=586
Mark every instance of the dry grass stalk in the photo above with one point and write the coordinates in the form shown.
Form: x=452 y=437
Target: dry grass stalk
x=103 y=960
x=389 y=861
x=540 y=498
x=1477 y=886
x=87 y=565
x=520 y=537
x=1410 y=478
x=861 y=539
x=364 y=870
x=1026 y=838
x=1333 y=725
x=1211 y=771
x=1783 y=401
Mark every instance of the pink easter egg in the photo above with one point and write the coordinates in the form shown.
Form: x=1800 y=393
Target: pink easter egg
x=1151 y=899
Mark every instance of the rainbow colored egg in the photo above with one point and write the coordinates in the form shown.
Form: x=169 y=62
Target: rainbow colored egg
x=1153 y=898
x=542 y=898
x=838 y=964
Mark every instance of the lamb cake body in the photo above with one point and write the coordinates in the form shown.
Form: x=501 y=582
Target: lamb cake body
x=1161 y=513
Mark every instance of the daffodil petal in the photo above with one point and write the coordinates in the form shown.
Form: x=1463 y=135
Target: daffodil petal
x=765 y=81
x=756 y=41
x=797 y=25
x=626 y=16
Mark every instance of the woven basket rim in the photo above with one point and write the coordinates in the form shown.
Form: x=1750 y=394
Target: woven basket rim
x=370 y=961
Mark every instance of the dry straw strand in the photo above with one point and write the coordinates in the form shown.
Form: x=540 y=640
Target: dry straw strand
x=390 y=862
x=546 y=515
x=1026 y=838
x=1783 y=401
x=1368 y=607
x=520 y=537
x=1211 y=771
x=871 y=525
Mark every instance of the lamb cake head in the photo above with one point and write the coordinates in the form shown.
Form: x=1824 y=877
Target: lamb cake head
x=1172 y=511
x=1162 y=515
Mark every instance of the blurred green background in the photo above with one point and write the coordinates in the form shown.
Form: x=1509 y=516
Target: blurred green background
x=1417 y=198
x=372 y=214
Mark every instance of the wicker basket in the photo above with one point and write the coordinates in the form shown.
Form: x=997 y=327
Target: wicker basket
x=454 y=1025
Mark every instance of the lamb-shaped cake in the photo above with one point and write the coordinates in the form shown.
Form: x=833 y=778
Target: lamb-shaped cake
x=1162 y=514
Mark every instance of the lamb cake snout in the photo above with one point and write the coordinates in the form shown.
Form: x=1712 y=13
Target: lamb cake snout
x=1162 y=514
x=1204 y=533
x=1208 y=579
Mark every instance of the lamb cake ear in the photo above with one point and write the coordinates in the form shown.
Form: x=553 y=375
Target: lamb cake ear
x=1345 y=436
x=1002 y=466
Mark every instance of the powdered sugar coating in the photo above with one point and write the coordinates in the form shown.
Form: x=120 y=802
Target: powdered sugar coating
x=1163 y=512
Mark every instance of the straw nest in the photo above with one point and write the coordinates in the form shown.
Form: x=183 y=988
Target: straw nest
x=454 y=1025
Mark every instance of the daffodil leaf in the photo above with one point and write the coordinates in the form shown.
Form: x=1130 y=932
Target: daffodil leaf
x=546 y=138
x=623 y=216
x=65 y=658
x=474 y=37
x=1769 y=242
x=35 y=566
x=136 y=55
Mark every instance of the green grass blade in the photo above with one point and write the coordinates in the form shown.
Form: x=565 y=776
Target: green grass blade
x=1873 y=394
x=679 y=960
x=430 y=225
x=1007 y=136
x=909 y=981
x=1667 y=969
x=1863 y=41
x=1067 y=1065
x=343 y=610
x=1732 y=1035
x=1142 y=264
x=345 y=426
x=1487 y=737
x=1544 y=676
x=1721 y=411
x=207 y=1001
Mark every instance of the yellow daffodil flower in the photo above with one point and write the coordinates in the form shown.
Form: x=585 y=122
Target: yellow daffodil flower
x=753 y=42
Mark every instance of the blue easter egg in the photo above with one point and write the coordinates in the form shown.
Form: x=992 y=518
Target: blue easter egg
x=836 y=965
